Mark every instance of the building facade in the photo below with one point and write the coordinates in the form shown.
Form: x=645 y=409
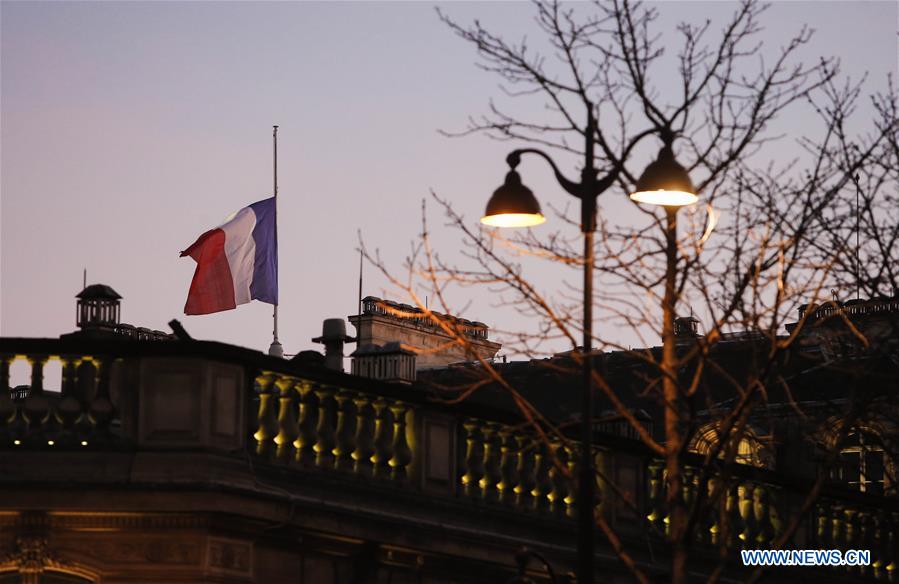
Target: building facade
x=164 y=460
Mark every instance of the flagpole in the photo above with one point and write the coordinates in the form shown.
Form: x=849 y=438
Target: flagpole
x=275 y=349
x=359 y=306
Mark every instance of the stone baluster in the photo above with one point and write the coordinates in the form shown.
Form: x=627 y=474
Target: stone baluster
x=687 y=487
x=402 y=453
x=365 y=436
x=492 y=475
x=346 y=430
x=822 y=525
x=761 y=509
x=266 y=416
x=474 y=459
x=383 y=439
x=744 y=509
x=325 y=431
x=892 y=546
x=711 y=528
x=69 y=409
x=510 y=452
x=54 y=429
x=86 y=381
x=557 y=475
x=288 y=428
x=101 y=408
x=527 y=472
x=571 y=457
x=655 y=500
x=308 y=419
x=877 y=540
x=696 y=486
x=837 y=527
x=36 y=408
x=850 y=531
x=543 y=465
x=835 y=524
x=865 y=540
x=730 y=521
x=889 y=559
x=5 y=361
x=70 y=375
x=774 y=507
x=37 y=374
x=7 y=406
x=878 y=537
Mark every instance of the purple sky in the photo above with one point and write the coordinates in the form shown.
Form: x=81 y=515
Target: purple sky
x=130 y=128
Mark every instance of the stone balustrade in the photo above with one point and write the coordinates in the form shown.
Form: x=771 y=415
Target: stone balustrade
x=325 y=427
x=839 y=524
x=517 y=469
x=80 y=413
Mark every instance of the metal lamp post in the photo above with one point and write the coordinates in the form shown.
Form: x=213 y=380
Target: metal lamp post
x=514 y=205
x=667 y=184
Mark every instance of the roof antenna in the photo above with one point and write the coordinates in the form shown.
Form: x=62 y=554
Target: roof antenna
x=858 y=273
x=84 y=280
x=359 y=307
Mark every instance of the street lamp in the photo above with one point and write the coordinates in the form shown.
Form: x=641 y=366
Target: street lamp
x=514 y=205
x=667 y=184
x=664 y=182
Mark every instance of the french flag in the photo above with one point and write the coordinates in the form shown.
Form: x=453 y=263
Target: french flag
x=236 y=262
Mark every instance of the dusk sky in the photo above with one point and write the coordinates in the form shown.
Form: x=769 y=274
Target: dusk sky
x=129 y=128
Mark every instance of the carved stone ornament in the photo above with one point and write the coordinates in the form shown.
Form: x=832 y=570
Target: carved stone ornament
x=33 y=554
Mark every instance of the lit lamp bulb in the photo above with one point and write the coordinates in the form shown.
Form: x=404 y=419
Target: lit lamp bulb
x=665 y=182
x=513 y=205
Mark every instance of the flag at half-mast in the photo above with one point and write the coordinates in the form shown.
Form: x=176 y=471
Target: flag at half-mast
x=236 y=262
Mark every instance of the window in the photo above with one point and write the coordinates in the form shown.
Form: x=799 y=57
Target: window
x=862 y=463
x=749 y=450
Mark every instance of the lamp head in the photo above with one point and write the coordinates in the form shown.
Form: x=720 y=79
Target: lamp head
x=513 y=205
x=665 y=182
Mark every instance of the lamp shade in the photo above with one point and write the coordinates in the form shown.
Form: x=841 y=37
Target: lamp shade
x=513 y=205
x=665 y=182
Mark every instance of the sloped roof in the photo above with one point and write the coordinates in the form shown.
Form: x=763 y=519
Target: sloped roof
x=98 y=292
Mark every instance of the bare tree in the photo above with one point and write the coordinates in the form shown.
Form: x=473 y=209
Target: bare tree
x=770 y=238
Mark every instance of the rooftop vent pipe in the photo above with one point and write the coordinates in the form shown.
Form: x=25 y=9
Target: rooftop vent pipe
x=333 y=338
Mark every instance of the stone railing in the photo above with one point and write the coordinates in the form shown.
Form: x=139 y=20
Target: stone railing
x=838 y=523
x=505 y=465
x=752 y=513
x=326 y=427
x=80 y=413
x=742 y=514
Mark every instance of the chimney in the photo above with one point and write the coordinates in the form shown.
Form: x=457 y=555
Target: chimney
x=394 y=362
x=333 y=338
